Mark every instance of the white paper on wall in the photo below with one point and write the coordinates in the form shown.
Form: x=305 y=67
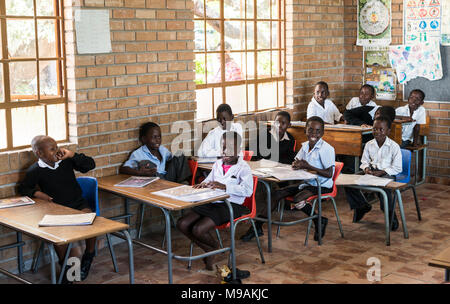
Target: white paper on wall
x=92 y=31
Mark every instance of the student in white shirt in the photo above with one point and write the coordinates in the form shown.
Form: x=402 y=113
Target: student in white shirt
x=315 y=155
x=416 y=113
x=323 y=107
x=360 y=110
x=211 y=145
x=381 y=157
x=231 y=174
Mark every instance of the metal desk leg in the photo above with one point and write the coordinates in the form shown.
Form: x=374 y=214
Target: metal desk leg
x=319 y=220
x=66 y=256
x=356 y=165
x=447 y=275
x=233 y=256
x=269 y=215
x=402 y=213
x=127 y=211
x=130 y=255
x=169 y=243
x=19 y=252
x=51 y=249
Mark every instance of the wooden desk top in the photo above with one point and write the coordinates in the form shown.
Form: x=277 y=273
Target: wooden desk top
x=442 y=260
x=347 y=181
x=338 y=127
x=26 y=219
x=144 y=194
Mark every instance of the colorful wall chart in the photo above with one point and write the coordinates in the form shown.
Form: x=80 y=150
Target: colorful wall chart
x=445 y=26
x=379 y=73
x=374 y=22
x=422 y=20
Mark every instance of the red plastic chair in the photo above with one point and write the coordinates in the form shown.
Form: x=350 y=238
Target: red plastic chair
x=295 y=144
x=248 y=155
x=250 y=203
x=331 y=195
x=193 y=165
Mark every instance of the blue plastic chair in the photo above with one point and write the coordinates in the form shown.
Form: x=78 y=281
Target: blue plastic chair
x=89 y=187
x=405 y=177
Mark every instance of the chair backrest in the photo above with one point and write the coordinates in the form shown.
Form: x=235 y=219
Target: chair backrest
x=193 y=165
x=405 y=175
x=250 y=202
x=295 y=144
x=89 y=187
x=337 y=170
x=248 y=155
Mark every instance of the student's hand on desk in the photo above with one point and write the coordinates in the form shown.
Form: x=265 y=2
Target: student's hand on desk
x=63 y=154
x=216 y=185
x=43 y=196
x=377 y=173
x=147 y=171
x=199 y=186
x=300 y=164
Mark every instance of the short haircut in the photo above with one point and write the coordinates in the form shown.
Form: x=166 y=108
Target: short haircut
x=144 y=128
x=387 y=111
x=36 y=143
x=236 y=138
x=284 y=114
x=385 y=119
x=224 y=108
x=316 y=118
x=371 y=88
x=421 y=93
x=322 y=83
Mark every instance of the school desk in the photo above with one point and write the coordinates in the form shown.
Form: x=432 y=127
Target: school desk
x=145 y=195
x=254 y=165
x=442 y=260
x=26 y=218
x=349 y=180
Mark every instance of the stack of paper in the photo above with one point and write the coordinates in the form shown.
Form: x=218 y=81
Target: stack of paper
x=285 y=173
x=206 y=160
x=362 y=180
x=67 y=220
x=137 y=181
x=188 y=194
x=15 y=202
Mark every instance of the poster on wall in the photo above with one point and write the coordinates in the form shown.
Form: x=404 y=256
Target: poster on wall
x=379 y=73
x=422 y=19
x=445 y=26
x=374 y=22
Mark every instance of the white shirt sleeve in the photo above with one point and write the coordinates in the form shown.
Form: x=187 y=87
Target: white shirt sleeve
x=207 y=147
x=336 y=114
x=422 y=116
x=310 y=111
x=210 y=176
x=396 y=155
x=365 y=159
x=350 y=104
x=245 y=187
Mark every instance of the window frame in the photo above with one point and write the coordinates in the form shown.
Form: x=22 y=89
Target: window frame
x=281 y=49
x=61 y=71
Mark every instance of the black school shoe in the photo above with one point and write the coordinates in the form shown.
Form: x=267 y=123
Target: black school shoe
x=324 y=224
x=359 y=213
x=250 y=234
x=86 y=262
x=240 y=274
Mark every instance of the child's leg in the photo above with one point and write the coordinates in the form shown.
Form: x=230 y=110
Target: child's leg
x=186 y=223
x=202 y=237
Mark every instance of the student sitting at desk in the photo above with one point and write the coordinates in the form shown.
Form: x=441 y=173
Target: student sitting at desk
x=323 y=107
x=211 y=145
x=54 y=175
x=414 y=112
x=360 y=110
x=283 y=152
x=231 y=174
x=381 y=157
x=315 y=155
x=153 y=159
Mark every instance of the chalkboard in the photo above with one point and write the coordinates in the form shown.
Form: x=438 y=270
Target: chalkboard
x=437 y=90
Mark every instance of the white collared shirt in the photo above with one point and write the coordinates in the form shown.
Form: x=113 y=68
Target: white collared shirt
x=329 y=113
x=238 y=180
x=275 y=135
x=322 y=156
x=43 y=164
x=419 y=115
x=355 y=103
x=211 y=145
x=388 y=157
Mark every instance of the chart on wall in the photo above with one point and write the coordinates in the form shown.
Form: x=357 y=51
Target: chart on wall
x=422 y=20
x=445 y=28
x=379 y=73
x=374 y=22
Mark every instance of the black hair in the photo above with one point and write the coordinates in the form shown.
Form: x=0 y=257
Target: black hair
x=369 y=87
x=422 y=94
x=144 y=128
x=236 y=137
x=323 y=83
x=224 y=108
x=316 y=118
x=387 y=111
x=284 y=114
x=385 y=119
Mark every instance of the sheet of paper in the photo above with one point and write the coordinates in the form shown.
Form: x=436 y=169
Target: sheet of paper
x=284 y=174
x=137 y=181
x=363 y=180
x=206 y=160
x=188 y=194
x=67 y=220
x=92 y=31
x=15 y=202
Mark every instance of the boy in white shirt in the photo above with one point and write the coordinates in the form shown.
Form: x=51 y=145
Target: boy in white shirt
x=323 y=107
x=381 y=157
x=416 y=113
x=361 y=110
x=211 y=145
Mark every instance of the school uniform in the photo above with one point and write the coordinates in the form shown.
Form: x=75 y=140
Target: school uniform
x=211 y=145
x=329 y=112
x=282 y=151
x=355 y=103
x=58 y=182
x=238 y=180
x=388 y=158
x=419 y=116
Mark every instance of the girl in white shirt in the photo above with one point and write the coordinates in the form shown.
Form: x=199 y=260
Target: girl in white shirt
x=231 y=174
x=323 y=107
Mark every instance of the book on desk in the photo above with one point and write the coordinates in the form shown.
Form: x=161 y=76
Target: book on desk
x=15 y=202
x=67 y=220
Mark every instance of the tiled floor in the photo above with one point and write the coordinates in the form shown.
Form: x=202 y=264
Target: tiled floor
x=338 y=260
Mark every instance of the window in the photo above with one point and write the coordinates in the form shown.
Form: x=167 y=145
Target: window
x=240 y=55
x=33 y=100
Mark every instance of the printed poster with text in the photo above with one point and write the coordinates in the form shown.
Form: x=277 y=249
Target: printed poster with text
x=422 y=20
x=374 y=22
x=445 y=28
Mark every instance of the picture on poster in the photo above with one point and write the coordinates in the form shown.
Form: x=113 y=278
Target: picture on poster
x=379 y=73
x=374 y=22
x=422 y=21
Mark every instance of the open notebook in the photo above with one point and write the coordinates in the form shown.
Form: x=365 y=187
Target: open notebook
x=286 y=173
x=67 y=220
x=15 y=202
x=137 y=181
x=188 y=194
